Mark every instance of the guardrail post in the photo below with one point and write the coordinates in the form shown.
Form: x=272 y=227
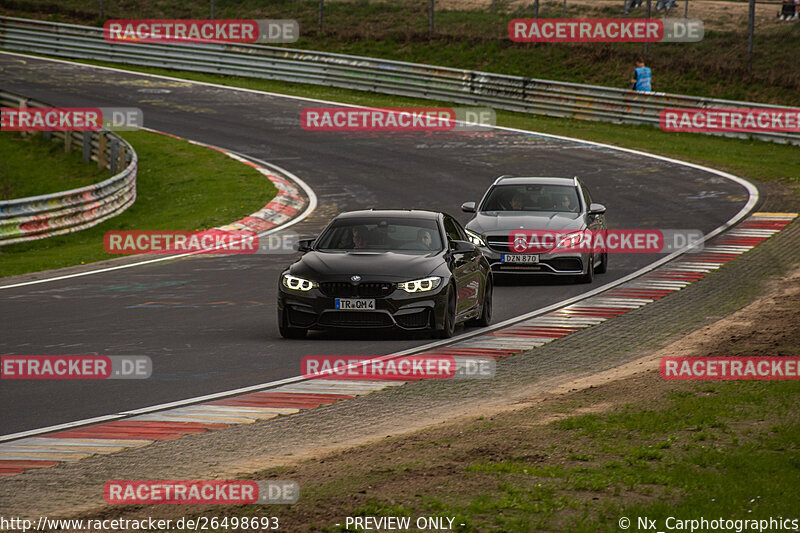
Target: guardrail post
x=101 y=149
x=319 y=16
x=123 y=157
x=67 y=141
x=647 y=43
x=751 y=31
x=430 y=18
x=87 y=146
x=114 y=163
x=23 y=104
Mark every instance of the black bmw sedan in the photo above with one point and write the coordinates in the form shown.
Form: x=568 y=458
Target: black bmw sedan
x=413 y=270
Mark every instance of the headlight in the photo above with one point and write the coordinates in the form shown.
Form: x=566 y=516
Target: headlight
x=297 y=284
x=573 y=240
x=475 y=239
x=420 y=285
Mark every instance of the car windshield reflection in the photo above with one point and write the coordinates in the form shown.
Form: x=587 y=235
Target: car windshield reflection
x=381 y=235
x=532 y=198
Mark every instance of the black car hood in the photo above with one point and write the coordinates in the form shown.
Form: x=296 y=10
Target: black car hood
x=493 y=223
x=371 y=266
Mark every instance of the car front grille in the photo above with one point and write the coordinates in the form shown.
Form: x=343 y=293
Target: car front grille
x=300 y=318
x=556 y=264
x=343 y=289
x=419 y=319
x=355 y=319
x=565 y=263
x=499 y=245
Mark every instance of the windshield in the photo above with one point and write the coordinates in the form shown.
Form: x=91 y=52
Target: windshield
x=562 y=198
x=381 y=234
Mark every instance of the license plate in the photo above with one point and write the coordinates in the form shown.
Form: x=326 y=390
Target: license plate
x=355 y=304
x=519 y=258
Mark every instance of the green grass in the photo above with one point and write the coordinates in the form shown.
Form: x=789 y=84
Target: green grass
x=729 y=449
x=22 y=173
x=180 y=186
x=646 y=461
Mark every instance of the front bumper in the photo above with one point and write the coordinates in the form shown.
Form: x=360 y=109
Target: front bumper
x=407 y=311
x=574 y=264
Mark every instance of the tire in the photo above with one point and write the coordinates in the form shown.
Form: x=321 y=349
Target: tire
x=449 y=326
x=603 y=265
x=589 y=276
x=486 y=312
x=289 y=332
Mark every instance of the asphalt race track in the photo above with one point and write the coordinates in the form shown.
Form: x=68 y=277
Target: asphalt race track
x=209 y=323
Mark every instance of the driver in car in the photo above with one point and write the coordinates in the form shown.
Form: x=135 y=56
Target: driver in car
x=564 y=203
x=425 y=238
x=359 y=237
x=517 y=202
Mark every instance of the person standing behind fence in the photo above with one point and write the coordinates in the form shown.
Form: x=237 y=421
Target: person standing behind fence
x=630 y=4
x=788 y=10
x=642 y=77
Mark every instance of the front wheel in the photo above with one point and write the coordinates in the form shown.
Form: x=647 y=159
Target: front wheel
x=603 y=264
x=486 y=312
x=449 y=326
x=286 y=331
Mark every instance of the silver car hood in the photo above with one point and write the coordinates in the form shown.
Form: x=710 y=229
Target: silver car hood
x=502 y=222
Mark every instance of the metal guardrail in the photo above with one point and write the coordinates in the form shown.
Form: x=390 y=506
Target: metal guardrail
x=499 y=91
x=48 y=215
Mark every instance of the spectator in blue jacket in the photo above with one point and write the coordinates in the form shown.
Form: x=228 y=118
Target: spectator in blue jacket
x=642 y=77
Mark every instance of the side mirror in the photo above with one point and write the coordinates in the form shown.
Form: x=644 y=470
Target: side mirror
x=468 y=207
x=597 y=209
x=304 y=245
x=461 y=247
